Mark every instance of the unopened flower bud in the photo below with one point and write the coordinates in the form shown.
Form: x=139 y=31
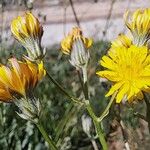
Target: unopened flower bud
x=28 y=31
x=139 y=25
x=30 y=108
x=86 y=124
x=17 y=82
x=76 y=45
x=79 y=56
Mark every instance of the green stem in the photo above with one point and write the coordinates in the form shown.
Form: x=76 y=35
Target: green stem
x=52 y=146
x=100 y=135
x=80 y=78
x=63 y=91
x=97 y=126
x=91 y=112
x=106 y=111
x=84 y=70
x=85 y=82
x=97 y=120
x=58 y=85
x=83 y=85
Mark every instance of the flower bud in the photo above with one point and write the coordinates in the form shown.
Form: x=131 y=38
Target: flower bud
x=79 y=56
x=28 y=31
x=30 y=108
x=17 y=82
x=139 y=25
x=86 y=124
x=76 y=45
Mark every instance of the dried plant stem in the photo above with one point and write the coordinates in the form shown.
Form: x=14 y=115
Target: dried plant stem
x=52 y=146
x=94 y=144
x=74 y=12
x=108 y=17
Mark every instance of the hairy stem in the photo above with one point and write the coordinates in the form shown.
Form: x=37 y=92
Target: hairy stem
x=52 y=145
x=85 y=82
x=100 y=135
x=97 y=127
x=63 y=91
x=106 y=111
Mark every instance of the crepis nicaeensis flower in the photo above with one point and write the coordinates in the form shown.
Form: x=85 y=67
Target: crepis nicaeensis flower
x=121 y=40
x=28 y=31
x=17 y=82
x=76 y=45
x=128 y=68
x=139 y=25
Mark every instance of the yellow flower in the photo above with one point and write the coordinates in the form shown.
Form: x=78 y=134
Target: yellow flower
x=19 y=80
x=122 y=40
x=68 y=41
x=28 y=31
x=76 y=45
x=129 y=71
x=139 y=25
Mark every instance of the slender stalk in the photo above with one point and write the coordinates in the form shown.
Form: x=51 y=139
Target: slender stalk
x=74 y=12
x=100 y=135
x=91 y=112
x=84 y=70
x=58 y=85
x=52 y=146
x=97 y=126
x=83 y=85
x=80 y=78
x=85 y=82
x=106 y=111
x=63 y=91
x=97 y=120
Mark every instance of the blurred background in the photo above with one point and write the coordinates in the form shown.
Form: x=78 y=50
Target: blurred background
x=101 y=20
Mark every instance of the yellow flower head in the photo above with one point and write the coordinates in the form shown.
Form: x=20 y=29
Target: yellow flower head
x=76 y=45
x=28 y=31
x=139 y=25
x=19 y=79
x=129 y=70
x=68 y=41
x=122 y=40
